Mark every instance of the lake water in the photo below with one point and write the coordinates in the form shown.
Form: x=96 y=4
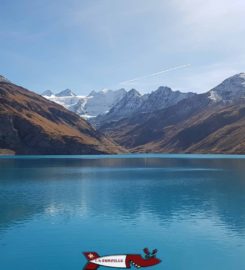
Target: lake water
x=190 y=207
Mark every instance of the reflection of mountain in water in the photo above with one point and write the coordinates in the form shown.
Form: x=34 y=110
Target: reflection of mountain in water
x=123 y=189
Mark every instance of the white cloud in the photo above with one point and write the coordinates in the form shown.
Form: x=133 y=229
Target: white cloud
x=209 y=22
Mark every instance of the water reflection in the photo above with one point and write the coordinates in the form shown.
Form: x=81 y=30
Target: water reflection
x=191 y=209
x=124 y=189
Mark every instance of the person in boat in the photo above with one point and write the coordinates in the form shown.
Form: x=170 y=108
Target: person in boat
x=149 y=254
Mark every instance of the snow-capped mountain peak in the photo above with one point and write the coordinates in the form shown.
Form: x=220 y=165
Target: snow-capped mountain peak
x=92 y=93
x=87 y=106
x=105 y=90
x=231 y=89
x=107 y=105
x=134 y=102
x=164 y=89
x=241 y=75
x=163 y=97
x=127 y=105
x=66 y=93
x=47 y=93
x=133 y=92
x=102 y=101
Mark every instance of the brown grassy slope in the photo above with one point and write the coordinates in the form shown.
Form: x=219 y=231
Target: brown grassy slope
x=220 y=130
x=143 y=128
x=30 y=124
x=194 y=125
x=6 y=152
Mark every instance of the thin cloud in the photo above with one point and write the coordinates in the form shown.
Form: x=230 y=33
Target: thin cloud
x=155 y=74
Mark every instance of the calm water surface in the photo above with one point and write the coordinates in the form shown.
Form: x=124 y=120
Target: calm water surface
x=190 y=207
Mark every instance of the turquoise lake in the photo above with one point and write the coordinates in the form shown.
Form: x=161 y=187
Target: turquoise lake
x=190 y=207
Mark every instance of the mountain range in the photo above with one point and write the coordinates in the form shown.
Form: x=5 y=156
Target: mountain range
x=123 y=121
x=31 y=124
x=109 y=105
x=90 y=106
x=133 y=103
x=213 y=122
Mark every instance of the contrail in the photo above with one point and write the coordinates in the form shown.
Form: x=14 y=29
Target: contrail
x=155 y=74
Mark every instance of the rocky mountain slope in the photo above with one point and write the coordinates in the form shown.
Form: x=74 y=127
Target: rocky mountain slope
x=213 y=122
x=230 y=90
x=126 y=107
x=133 y=102
x=31 y=124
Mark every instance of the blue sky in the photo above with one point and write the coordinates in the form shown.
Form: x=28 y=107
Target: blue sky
x=95 y=44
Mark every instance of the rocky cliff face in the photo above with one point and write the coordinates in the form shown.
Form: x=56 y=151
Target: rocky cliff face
x=30 y=124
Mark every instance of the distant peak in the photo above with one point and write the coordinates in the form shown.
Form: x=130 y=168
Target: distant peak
x=66 y=93
x=239 y=77
x=92 y=93
x=3 y=79
x=233 y=82
x=103 y=91
x=164 y=89
x=47 y=93
x=134 y=92
x=106 y=91
x=233 y=88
